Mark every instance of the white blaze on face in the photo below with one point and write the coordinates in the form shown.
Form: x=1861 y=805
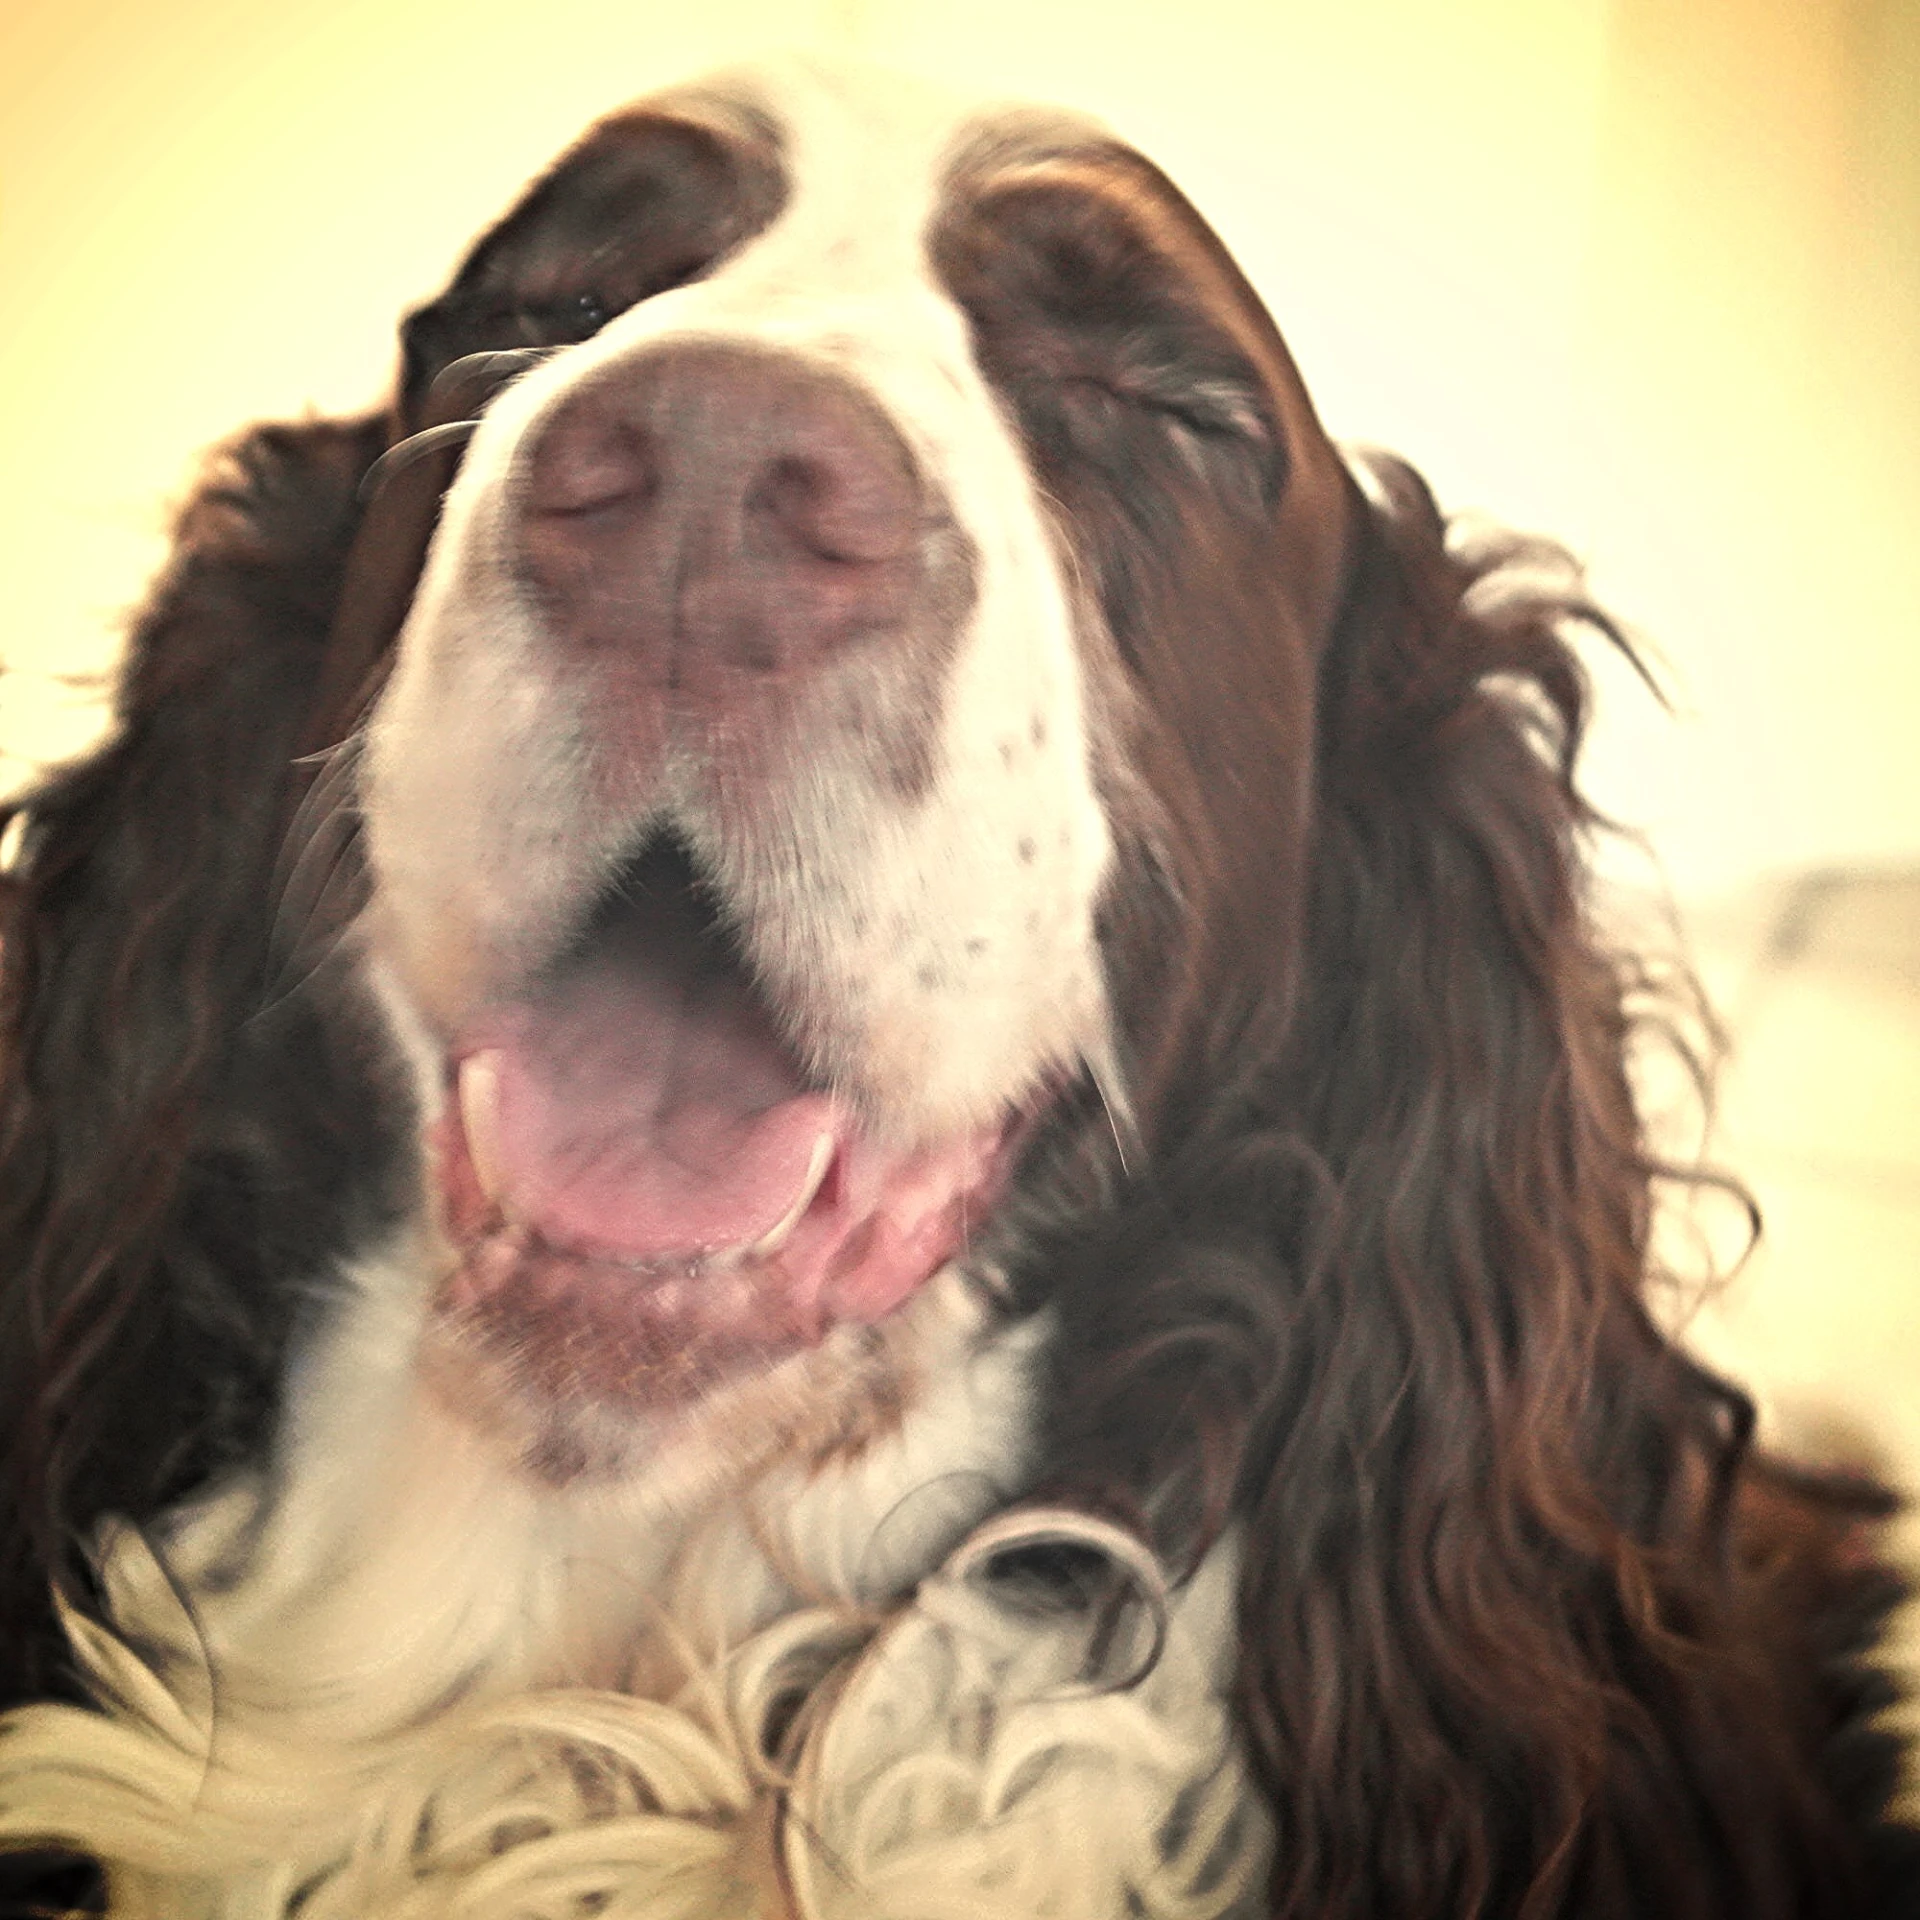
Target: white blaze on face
x=932 y=954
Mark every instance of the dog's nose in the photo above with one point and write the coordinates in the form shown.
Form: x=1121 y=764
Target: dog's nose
x=722 y=510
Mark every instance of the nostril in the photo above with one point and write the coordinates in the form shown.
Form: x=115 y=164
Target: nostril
x=851 y=506
x=790 y=497
x=587 y=462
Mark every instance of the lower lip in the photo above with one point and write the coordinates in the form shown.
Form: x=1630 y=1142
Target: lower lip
x=576 y=1326
x=657 y=1335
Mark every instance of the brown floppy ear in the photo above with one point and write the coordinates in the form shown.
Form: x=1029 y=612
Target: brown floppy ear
x=1491 y=1587
x=1507 y=1647
x=156 y=1078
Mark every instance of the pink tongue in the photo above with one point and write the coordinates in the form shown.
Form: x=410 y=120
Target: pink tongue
x=647 y=1110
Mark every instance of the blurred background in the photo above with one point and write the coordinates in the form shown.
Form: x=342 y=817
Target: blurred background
x=1643 y=275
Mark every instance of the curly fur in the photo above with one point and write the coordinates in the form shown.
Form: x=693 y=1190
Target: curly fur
x=1524 y=1626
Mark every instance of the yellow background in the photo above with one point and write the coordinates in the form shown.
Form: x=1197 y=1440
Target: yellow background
x=1643 y=274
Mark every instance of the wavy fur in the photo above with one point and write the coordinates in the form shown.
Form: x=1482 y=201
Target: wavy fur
x=1356 y=1296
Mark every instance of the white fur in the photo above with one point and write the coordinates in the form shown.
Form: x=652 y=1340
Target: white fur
x=394 y=1679
x=958 y=1751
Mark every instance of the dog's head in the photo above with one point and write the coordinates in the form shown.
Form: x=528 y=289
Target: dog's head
x=865 y=662
x=888 y=763
x=871 y=752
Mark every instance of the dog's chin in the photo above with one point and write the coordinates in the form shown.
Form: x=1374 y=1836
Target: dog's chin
x=574 y=1394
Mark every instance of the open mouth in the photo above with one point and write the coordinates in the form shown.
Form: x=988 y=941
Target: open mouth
x=633 y=1152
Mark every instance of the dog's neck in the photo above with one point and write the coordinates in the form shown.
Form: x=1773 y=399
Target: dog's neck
x=396 y=1554
x=820 y=1689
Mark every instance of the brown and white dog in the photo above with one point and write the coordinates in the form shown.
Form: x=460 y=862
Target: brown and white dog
x=847 y=1140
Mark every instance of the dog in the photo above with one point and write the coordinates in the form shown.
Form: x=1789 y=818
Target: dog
x=818 y=1115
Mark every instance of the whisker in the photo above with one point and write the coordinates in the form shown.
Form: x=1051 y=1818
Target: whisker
x=312 y=869
x=1104 y=1071
x=408 y=452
